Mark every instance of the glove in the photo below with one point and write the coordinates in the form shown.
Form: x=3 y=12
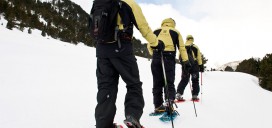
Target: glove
x=187 y=65
x=201 y=68
x=160 y=47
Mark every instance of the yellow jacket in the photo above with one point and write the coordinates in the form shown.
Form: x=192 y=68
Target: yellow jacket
x=140 y=22
x=195 y=51
x=171 y=38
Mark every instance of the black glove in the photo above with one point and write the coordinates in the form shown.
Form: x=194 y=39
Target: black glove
x=160 y=47
x=187 y=65
x=201 y=68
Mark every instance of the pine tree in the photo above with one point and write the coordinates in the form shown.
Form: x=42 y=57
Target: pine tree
x=10 y=25
x=266 y=72
x=204 y=60
x=248 y=66
x=21 y=28
x=66 y=20
x=29 y=31
x=228 y=68
x=43 y=33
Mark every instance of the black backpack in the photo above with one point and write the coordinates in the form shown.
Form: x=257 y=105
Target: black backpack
x=190 y=50
x=103 y=20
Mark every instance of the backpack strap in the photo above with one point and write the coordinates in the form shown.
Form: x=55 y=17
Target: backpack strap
x=174 y=37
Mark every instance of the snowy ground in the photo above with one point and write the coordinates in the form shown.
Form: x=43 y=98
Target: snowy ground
x=45 y=83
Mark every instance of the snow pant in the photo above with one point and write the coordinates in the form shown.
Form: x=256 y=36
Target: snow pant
x=108 y=71
x=185 y=76
x=158 y=77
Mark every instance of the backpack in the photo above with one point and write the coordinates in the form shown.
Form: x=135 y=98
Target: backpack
x=190 y=50
x=103 y=20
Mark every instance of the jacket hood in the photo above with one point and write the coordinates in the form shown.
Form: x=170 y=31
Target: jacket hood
x=168 y=22
x=189 y=40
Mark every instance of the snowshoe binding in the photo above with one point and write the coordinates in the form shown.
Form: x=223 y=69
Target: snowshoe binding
x=158 y=111
x=168 y=117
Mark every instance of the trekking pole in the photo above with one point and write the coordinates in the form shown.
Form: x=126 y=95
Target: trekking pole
x=166 y=90
x=192 y=99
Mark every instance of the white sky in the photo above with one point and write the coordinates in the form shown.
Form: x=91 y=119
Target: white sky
x=225 y=30
x=46 y=83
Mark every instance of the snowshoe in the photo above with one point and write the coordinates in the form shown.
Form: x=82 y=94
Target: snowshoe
x=195 y=100
x=180 y=101
x=167 y=117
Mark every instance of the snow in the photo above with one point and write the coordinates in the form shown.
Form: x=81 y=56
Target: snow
x=46 y=83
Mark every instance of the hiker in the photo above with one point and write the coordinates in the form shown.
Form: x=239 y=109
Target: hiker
x=195 y=59
x=113 y=31
x=172 y=40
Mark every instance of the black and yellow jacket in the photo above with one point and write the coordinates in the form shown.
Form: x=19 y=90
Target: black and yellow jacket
x=130 y=14
x=171 y=38
x=197 y=56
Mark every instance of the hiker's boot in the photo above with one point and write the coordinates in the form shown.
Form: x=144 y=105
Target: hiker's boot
x=160 y=109
x=179 y=97
x=195 y=98
x=131 y=122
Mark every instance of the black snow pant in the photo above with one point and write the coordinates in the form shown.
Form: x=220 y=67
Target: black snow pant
x=108 y=71
x=158 y=77
x=185 y=76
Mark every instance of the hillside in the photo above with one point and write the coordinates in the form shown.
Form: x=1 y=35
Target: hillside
x=46 y=83
x=59 y=19
x=63 y=20
x=233 y=65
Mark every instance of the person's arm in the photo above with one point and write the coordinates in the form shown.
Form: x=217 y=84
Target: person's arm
x=182 y=49
x=141 y=23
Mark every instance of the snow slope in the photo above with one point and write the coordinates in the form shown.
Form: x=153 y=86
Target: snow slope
x=45 y=83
